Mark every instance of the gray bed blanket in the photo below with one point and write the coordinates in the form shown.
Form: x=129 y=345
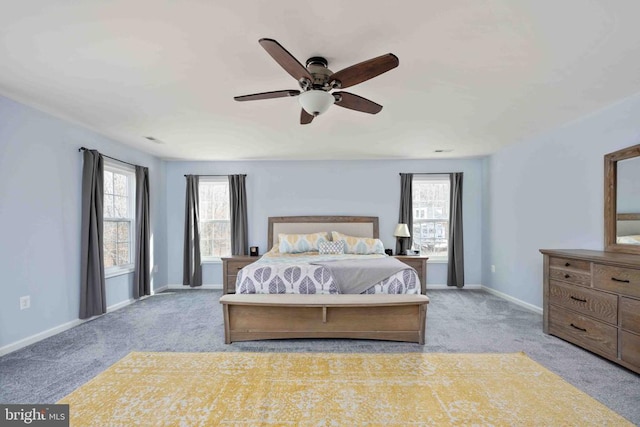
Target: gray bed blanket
x=354 y=276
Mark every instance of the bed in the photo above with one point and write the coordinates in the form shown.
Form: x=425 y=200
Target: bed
x=277 y=297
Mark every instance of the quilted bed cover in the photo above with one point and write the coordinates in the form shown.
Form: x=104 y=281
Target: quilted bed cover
x=277 y=273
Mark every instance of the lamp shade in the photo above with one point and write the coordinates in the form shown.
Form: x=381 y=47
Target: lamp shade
x=316 y=102
x=402 y=230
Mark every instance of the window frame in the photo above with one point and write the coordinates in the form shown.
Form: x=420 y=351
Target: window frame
x=123 y=169
x=436 y=177
x=216 y=179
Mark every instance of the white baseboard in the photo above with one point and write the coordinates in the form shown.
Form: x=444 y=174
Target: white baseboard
x=517 y=301
x=195 y=289
x=466 y=286
x=9 y=348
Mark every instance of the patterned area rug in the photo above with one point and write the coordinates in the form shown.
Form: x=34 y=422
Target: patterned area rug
x=332 y=389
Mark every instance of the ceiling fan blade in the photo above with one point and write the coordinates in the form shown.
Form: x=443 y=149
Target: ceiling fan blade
x=365 y=70
x=355 y=102
x=305 y=118
x=285 y=59
x=267 y=95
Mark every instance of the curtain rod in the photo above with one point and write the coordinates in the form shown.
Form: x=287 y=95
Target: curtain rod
x=241 y=174
x=109 y=157
x=427 y=173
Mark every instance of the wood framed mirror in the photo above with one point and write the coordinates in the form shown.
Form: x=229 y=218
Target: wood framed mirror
x=622 y=200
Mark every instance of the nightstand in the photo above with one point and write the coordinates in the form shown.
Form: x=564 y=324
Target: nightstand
x=230 y=267
x=420 y=264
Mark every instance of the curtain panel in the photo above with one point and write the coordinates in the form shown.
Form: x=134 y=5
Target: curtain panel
x=238 y=215
x=142 y=275
x=455 y=269
x=406 y=212
x=93 y=299
x=192 y=263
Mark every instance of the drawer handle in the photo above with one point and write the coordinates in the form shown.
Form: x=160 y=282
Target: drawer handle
x=578 y=299
x=578 y=328
x=566 y=276
x=567 y=264
x=619 y=280
x=238 y=268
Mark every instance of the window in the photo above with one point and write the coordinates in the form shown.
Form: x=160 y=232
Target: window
x=214 y=221
x=431 y=215
x=119 y=218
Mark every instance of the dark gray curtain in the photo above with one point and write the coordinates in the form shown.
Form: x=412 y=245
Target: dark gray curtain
x=406 y=212
x=92 y=291
x=238 y=208
x=142 y=275
x=192 y=266
x=455 y=271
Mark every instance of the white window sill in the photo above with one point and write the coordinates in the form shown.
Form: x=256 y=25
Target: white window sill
x=118 y=272
x=212 y=261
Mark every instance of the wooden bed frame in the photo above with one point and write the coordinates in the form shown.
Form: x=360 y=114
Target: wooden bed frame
x=376 y=316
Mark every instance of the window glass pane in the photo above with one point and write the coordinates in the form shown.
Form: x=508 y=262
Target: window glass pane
x=120 y=207
x=123 y=255
x=123 y=231
x=109 y=231
x=109 y=254
x=108 y=182
x=108 y=206
x=120 y=184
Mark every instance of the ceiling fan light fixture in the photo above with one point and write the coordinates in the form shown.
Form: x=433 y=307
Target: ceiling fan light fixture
x=316 y=102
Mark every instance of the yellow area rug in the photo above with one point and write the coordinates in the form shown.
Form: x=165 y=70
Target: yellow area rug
x=332 y=389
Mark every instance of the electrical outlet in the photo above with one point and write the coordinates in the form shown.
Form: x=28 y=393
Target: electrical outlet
x=493 y=268
x=155 y=268
x=25 y=302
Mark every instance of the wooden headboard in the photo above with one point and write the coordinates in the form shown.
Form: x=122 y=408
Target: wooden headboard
x=359 y=226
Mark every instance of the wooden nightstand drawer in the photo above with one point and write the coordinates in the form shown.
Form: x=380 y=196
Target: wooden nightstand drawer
x=230 y=268
x=571 y=276
x=600 y=305
x=625 y=281
x=568 y=263
x=588 y=333
x=630 y=314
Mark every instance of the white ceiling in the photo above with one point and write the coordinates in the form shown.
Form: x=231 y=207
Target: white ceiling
x=473 y=75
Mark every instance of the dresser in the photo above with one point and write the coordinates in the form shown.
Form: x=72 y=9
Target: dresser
x=419 y=263
x=230 y=267
x=592 y=299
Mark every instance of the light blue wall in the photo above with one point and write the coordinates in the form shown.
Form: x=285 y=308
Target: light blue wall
x=40 y=186
x=547 y=192
x=281 y=188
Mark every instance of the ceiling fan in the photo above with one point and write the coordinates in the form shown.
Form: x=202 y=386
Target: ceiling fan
x=317 y=81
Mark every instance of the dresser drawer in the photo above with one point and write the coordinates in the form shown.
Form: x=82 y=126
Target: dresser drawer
x=231 y=284
x=572 y=276
x=621 y=280
x=630 y=348
x=567 y=263
x=630 y=314
x=600 y=305
x=588 y=333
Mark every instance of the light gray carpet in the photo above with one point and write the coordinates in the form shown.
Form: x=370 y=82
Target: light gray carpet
x=466 y=321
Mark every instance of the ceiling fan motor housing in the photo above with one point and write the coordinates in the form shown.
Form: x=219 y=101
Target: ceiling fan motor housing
x=317 y=67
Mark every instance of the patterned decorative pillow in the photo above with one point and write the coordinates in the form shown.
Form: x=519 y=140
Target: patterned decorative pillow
x=298 y=243
x=332 y=248
x=358 y=245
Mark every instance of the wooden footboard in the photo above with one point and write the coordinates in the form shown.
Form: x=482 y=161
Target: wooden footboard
x=380 y=317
